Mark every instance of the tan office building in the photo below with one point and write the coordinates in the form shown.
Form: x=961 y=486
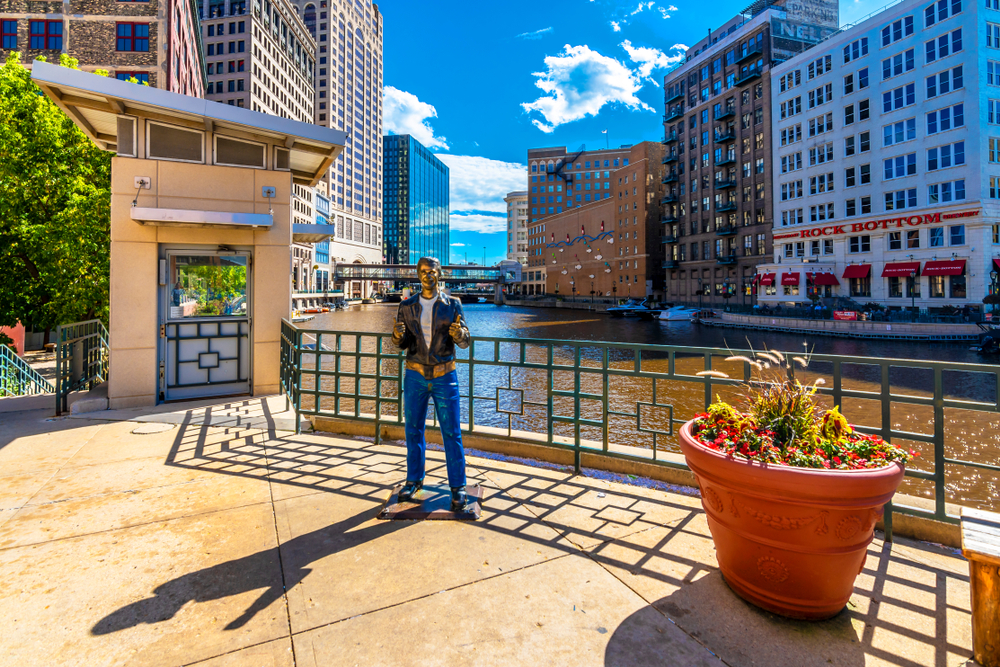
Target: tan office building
x=348 y=84
x=201 y=234
x=155 y=42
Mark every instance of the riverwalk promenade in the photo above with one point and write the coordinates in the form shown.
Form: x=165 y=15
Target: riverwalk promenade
x=212 y=534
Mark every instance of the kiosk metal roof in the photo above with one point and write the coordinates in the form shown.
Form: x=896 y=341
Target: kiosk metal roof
x=94 y=103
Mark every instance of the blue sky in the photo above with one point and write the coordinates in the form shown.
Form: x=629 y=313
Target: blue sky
x=482 y=83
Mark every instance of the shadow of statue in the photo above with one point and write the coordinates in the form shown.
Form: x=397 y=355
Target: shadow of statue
x=259 y=570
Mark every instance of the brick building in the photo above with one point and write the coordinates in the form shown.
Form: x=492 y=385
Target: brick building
x=611 y=245
x=558 y=181
x=719 y=209
x=156 y=42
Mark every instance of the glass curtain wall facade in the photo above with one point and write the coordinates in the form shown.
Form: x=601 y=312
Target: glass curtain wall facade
x=416 y=205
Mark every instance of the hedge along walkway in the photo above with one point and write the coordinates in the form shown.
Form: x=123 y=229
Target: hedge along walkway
x=165 y=541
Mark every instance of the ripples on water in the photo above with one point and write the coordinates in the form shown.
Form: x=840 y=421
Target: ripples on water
x=969 y=435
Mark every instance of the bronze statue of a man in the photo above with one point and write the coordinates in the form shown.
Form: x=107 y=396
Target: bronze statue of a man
x=428 y=326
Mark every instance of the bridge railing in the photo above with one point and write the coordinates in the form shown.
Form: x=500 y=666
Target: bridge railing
x=628 y=400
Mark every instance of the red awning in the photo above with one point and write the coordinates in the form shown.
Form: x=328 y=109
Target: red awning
x=901 y=269
x=951 y=267
x=824 y=279
x=857 y=271
x=789 y=279
x=767 y=279
x=996 y=263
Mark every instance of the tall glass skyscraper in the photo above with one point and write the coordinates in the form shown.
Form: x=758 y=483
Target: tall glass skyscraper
x=416 y=205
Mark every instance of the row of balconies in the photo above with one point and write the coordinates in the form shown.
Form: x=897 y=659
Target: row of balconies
x=725 y=260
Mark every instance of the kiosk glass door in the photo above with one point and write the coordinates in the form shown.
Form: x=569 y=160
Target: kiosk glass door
x=206 y=326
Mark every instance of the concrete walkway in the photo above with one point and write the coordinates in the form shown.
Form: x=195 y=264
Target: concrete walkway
x=164 y=540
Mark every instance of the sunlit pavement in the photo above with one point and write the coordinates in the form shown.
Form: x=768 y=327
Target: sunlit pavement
x=209 y=536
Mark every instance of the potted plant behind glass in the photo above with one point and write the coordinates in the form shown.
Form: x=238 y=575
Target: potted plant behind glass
x=791 y=491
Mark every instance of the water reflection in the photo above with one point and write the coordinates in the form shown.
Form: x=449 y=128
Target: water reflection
x=641 y=409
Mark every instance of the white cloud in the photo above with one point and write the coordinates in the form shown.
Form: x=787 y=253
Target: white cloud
x=649 y=59
x=483 y=224
x=664 y=12
x=616 y=26
x=578 y=83
x=536 y=34
x=404 y=113
x=642 y=6
x=479 y=184
x=671 y=8
x=457 y=245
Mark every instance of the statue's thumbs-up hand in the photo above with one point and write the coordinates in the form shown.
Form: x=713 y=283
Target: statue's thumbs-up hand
x=456 y=330
x=399 y=329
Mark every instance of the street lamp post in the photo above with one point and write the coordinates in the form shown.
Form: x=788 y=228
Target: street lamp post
x=614 y=291
x=913 y=294
x=994 y=287
x=591 y=292
x=701 y=289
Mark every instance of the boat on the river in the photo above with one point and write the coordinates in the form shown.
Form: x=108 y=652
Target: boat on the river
x=298 y=317
x=678 y=313
x=632 y=307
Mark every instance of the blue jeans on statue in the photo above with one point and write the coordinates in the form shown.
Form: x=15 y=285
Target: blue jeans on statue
x=417 y=391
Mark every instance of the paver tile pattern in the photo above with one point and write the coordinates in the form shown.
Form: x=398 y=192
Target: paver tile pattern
x=221 y=541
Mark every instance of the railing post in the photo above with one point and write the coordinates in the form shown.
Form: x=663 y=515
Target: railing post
x=59 y=372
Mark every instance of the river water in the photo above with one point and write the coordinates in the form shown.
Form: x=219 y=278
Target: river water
x=969 y=435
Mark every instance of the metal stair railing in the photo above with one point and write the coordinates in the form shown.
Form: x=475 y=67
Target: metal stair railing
x=82 y=355
x=18 y=378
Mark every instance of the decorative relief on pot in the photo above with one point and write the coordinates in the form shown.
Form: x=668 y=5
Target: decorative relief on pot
x=848 y=527
x=786 y=522
x=772 y=569
x=732 y=505
x=713 y=500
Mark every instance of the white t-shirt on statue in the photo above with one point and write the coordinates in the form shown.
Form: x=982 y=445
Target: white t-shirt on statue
x=426 y=318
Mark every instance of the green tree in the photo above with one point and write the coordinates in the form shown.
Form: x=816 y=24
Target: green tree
x=55 y=217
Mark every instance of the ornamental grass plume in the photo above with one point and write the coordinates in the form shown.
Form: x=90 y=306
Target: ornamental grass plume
x=782 y=425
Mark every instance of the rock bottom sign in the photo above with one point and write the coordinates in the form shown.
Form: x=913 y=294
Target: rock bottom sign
x=875 y=225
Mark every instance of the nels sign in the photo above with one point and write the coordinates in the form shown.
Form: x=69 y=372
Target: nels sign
x=874 y=225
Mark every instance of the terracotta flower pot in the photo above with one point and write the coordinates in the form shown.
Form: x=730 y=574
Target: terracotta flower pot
x=789 y=540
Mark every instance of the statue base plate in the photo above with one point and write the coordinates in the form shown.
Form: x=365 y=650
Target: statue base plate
x=433 y=502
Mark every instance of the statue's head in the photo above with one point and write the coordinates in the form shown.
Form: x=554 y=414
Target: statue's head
x=429 y=272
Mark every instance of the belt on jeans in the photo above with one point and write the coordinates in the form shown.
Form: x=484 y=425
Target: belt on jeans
x=431 y=372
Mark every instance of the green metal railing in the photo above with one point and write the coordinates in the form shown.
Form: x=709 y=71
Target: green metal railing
x=627 y=400
x=18 y=378
x=82 y=356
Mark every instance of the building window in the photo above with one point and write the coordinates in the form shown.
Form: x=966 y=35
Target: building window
x=46 y=35
x=993 y=35
x=861 y=287
x=899 y=29
x=898 y=98
x=900 y=199
x=994 y=187
x=944 y=82
x=133 y=37
x=897 y=64
x=946 y=192
x=942 y=157
x=858 y=244
x=895 y=133
x=8 y=30
x=140 y=77
x=895 y=288
x=947 y=44
x=957 y=235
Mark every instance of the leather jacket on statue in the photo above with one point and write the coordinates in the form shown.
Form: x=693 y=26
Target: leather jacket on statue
x=442 y=349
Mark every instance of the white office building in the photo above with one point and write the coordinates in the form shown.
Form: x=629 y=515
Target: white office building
x=887 y=161
x=517 y=226
x=348 y=82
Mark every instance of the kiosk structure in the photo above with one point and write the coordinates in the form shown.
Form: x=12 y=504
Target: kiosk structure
x=201 y=233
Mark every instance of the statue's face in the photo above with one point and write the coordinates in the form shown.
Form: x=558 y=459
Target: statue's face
x=428 y=275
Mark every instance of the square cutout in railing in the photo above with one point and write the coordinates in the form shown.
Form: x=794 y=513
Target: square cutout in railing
x=507 y=397
x=652 y=413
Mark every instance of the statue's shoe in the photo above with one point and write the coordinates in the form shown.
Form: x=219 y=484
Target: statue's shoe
x=409 y=490
x=459 y=499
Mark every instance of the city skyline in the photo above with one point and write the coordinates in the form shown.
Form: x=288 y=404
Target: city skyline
x=601 y=66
